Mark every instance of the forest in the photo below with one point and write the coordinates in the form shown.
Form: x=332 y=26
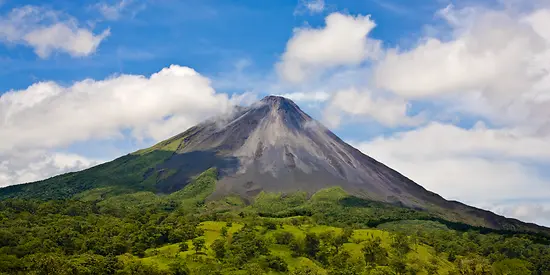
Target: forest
x=187 y=232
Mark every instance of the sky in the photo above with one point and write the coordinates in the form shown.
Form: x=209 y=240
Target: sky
x=454 y=94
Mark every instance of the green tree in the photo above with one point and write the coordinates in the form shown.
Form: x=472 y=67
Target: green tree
x=306 y=270
x=283 y=237
x=270 y=225
x=325 y=253
x=198 y=244
x=344 y=264
x=452 y=256
x=311 y=245
x=277 y=263
x=179 y=268
x=45 y=264
x=346 y=234
x=511 y=267
x=245 y=245
x=207 y=268
x=10 y=264
x=327 y=237
x=183 y=246
x=400 y=244
x=254 y=269
x=398 y=264
x=432 y=266
x=374 y=253
x=224 y=231
x=384 y=270
x=218 y=246
x=473 y=265
x=296 y=247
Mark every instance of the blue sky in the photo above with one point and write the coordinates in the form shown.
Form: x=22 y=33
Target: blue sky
x=454 y=94
x=209 y=36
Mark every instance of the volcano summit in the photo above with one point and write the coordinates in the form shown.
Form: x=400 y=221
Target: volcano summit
x=274 y=146
x=271 y=146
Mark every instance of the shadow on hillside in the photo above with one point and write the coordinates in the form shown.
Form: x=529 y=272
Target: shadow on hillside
x=188 y=165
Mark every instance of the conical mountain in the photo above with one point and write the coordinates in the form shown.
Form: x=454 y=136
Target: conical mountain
x=271 y=146
x=275 y=146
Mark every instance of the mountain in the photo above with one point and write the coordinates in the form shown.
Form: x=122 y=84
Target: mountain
x=271 y=146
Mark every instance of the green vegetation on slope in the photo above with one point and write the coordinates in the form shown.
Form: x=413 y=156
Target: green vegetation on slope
x=183 y=233
x=202 y=187
x=127 y=174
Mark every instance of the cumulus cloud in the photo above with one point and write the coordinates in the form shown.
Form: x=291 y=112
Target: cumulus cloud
x=494 y=64
x=47 y=115
x=36 y=122
x=48 y=31
x=31 y=166
x=437 y=139
x=478 y=166
x=488 y=63
x=534 y=212
x=388 y=111
x=342 y=41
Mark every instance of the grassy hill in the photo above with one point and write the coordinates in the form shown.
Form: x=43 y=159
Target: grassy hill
x=421 y=257
x=127 y=174
x=185 y=232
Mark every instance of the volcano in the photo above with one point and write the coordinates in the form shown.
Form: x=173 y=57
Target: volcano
x=274 y=146
x=270 y=146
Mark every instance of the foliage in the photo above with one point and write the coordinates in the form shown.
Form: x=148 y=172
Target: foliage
x=179 y=268
x=123 y=175
x=198 y=244
x=145 y=233
x=218 y=246
x=374 y=253
x=400 y=244
x=183 y=246
x=283 y=237
x=511 y=266
x=277 y=263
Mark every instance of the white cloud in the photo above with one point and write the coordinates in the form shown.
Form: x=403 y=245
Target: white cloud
x=484 y=63
x=116 y=10
x=494 y=65
x=310 y=6
x=534 y=212
x=438 y=139
x=343 y=41
x=478 y=166
x=318 y=96
x=31 y=166
x=48 y=31
x=390 y=112
x=47 y=115
x=315 y=6
x=38 y=121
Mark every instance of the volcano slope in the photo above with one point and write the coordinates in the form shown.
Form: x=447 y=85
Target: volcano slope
x=271 y=146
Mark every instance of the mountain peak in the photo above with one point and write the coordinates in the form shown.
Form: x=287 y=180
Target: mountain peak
x=280 y=102
x=274 y=99
x=284 y=110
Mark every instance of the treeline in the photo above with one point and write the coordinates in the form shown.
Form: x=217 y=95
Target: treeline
x=112 y=236
x=66 y=233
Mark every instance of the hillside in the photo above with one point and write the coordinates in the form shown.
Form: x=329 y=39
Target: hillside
x=330 y=232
